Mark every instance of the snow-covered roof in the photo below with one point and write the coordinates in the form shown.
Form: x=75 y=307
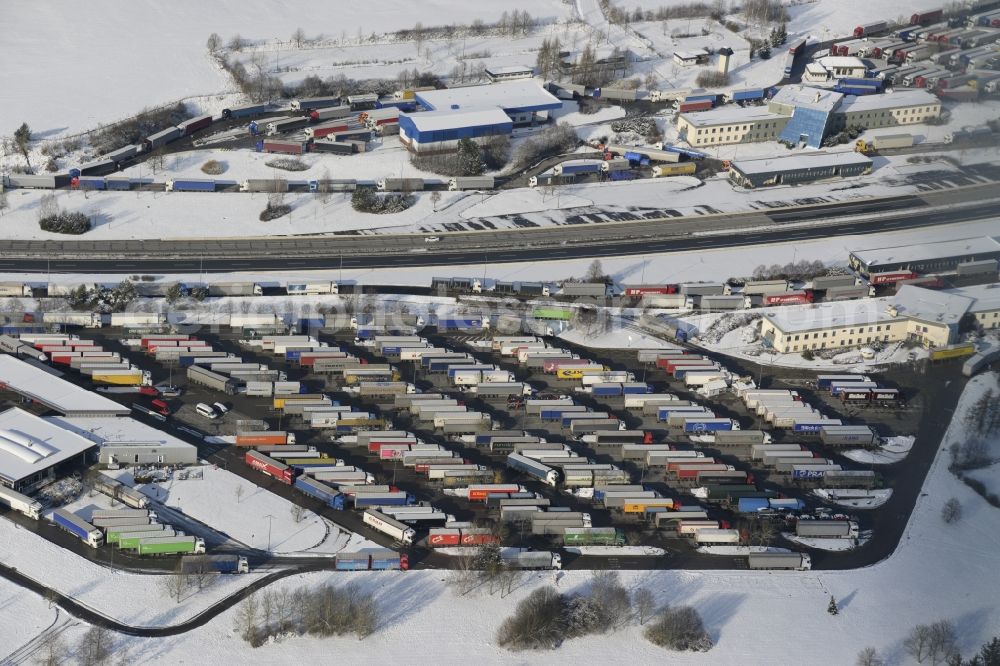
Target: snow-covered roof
x=507 y=95
x=894 y=100
x=118 y=432
x=985 y=297
x=805 y=97
x=57 y=394
x=803 y=161
x=429 y=121
x=690 y=55
x=925 y=251
x=29 y=444
x=831 y=62
x=730 y=113
x=838 y=314
x=510 y=69
x=815 y=68
x=930 y=306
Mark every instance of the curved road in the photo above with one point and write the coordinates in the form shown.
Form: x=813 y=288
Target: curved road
x=518 y=245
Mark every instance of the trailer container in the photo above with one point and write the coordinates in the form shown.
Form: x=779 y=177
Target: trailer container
x=839 y=529
x=172 y=545
x=20 y=503
x=319 y=490
x=796 y=561
x=533 y=560
x=78 y=527
x=388 y=525
x=270 y=466
x=189 y=185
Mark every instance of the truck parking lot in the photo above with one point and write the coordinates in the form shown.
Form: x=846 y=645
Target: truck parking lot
x=573 y=439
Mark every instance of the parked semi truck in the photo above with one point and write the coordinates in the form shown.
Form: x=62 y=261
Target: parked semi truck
x=20 y=503
x=533 y=559
x=533 y=468
x=215 y=563
x=387 y=525
x=116 y=490
x=78 y=527
x=372 y=560
x=172 y=545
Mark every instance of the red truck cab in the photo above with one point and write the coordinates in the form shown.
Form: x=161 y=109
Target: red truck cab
x=160 y=407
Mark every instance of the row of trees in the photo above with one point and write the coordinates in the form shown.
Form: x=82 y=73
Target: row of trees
x=545 y=618
x=322 y=611
x=103 y=299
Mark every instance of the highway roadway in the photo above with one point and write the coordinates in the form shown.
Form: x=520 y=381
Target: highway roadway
x=647 y=236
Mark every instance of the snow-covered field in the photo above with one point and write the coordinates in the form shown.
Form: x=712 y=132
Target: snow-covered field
x=878 y=605
x=192 y=214
x=705 y=265
x=132 y=598
x=238 y=508
x=114 y=58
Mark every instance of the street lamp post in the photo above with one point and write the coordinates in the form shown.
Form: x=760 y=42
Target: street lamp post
x=269 y=519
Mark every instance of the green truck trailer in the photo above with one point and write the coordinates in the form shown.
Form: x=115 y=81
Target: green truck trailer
x=558 y=314
x=130 y=540
x=113 y=535
x=174 y=545
x=593 y=536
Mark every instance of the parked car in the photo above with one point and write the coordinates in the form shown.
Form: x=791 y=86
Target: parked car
x=220 y=408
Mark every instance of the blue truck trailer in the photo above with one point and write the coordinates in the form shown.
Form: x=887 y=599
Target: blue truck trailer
x=319 y=490
x=532 y=467
x=190 y=185
x=78 y=527
x=708 y=425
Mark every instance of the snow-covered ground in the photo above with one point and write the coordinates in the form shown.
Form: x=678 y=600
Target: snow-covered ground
x=193 y=214
x=715 y=264
x=615 y=551
x=128 y=597
x=893 y=450
x=878 y=604
x=143 y=54
x=234 y=506
x=28 y=615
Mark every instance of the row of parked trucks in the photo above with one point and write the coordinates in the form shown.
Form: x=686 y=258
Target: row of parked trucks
x=89 y=358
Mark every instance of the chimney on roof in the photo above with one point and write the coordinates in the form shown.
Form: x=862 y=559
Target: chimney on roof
x=816 y=100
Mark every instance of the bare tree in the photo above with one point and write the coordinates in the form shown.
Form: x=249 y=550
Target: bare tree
x=869 y=656
x=247 y=615
x=917 y=642
x=418 y=36
x=283 y=610
x=236 y=43
x=95 y=647
x=3 y=199
x=942 y=643
x=214 y=42
x=267 y=608
x=298 y=513
x=537 y=623
x=239 y=492
x=52 y=651
x=435 y=199
x=174 y=585
x=463 y=577
x=951 y=512
x=200 y=573
x=595 y=272
x=644 y=604
x=299 y=36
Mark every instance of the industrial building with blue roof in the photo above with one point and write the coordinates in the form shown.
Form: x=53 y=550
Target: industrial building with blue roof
x=473 y=112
